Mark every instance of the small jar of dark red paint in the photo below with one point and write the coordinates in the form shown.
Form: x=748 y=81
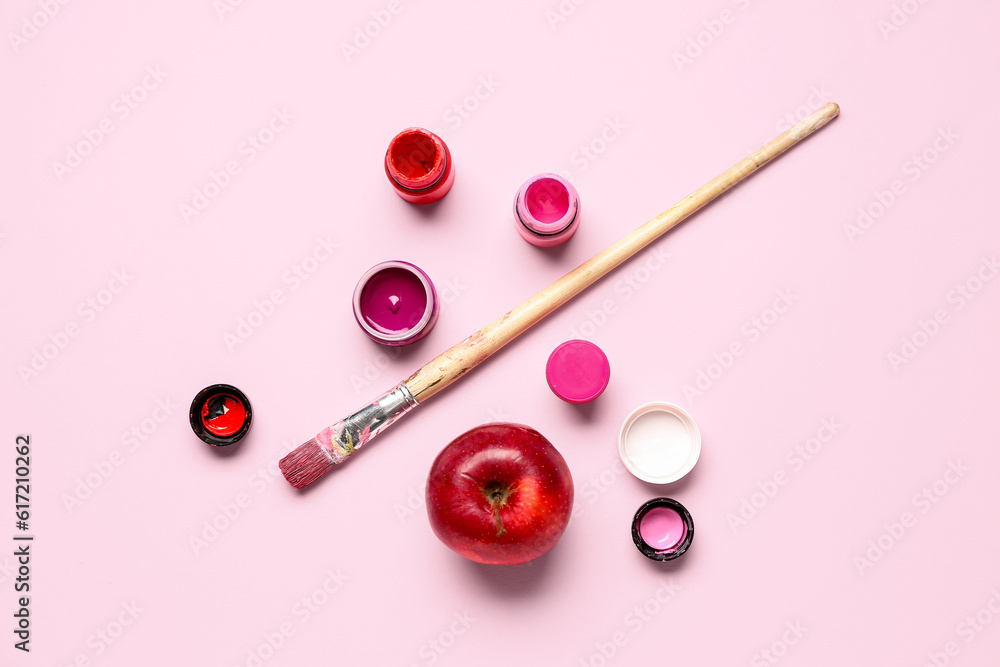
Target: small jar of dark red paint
x=221 y=415
x=419 y=166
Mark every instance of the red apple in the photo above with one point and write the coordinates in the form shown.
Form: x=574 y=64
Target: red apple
x=499 y=494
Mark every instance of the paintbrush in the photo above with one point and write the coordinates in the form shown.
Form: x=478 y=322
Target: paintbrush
x=334 y=444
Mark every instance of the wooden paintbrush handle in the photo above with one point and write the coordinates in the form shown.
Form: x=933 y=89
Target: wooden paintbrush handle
x=463 y=357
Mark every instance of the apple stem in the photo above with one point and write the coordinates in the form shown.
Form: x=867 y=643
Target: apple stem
x=497 y=494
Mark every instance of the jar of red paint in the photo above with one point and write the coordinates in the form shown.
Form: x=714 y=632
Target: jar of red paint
x=419 y=166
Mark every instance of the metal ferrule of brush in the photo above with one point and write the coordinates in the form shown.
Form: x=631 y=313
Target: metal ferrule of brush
x=345 y=437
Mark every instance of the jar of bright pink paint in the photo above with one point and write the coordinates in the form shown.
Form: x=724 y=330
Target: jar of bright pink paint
x=547 y=210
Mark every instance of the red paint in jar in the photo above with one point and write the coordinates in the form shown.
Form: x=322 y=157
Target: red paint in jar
x=419 y=166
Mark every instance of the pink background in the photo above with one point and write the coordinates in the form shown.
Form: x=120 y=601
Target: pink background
x=843 y=562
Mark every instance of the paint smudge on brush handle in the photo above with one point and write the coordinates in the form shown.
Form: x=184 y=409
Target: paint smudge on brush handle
x=345 y=437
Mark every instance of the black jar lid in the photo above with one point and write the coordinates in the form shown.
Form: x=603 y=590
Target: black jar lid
x=221 y=415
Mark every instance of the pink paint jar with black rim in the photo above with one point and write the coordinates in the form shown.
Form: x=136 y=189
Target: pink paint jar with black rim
x=547 y=210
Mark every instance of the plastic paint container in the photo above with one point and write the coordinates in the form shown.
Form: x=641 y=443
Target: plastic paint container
x=662 y=529
x=659 y=443
x=547 y=210
x=220 y=415
x=395 y=303
x=419 y=166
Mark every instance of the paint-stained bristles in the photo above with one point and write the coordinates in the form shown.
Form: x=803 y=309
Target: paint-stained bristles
x=305 y=464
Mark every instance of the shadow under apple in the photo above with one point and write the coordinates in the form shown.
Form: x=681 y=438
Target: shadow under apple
x=525 y=580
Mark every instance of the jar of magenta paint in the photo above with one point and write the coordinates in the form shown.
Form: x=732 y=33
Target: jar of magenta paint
x=419 y=166
x=547 y=210
x=395 y=303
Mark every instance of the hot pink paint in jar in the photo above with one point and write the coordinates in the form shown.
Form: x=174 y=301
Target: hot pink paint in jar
x=547 y=210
